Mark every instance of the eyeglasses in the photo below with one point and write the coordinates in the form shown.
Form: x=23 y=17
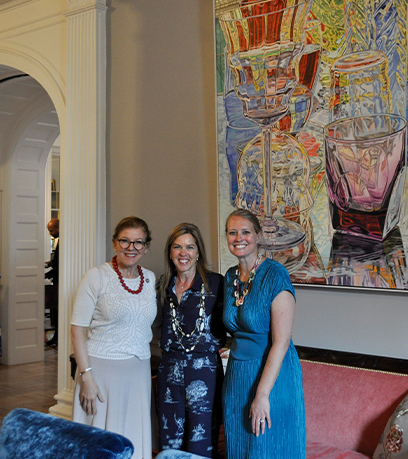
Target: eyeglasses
x=125 y=244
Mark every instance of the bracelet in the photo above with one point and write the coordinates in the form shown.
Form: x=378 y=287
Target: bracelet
x=86 y=369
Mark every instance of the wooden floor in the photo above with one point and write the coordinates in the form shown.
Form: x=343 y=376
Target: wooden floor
x=32 y=385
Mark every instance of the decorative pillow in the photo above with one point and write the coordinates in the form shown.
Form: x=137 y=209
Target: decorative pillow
x=394 y=440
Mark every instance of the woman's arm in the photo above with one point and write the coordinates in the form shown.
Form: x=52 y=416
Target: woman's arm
x=89 y=391
x=217 y=326
x=282 y=315
x=157 y=324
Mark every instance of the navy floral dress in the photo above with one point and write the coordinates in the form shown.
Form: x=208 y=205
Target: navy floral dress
x=190 y=383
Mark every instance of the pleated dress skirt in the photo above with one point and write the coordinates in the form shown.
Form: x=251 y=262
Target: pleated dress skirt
x=126 y=389
x=286 y=439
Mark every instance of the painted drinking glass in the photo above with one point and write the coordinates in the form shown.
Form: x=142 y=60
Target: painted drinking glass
x=365 y=173
x=264 y=43
x=359 y=85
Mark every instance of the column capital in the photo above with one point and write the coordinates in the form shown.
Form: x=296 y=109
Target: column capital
x=76 y=6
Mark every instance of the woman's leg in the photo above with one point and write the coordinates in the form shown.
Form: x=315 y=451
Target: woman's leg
x=171 y=402
x=203 y=378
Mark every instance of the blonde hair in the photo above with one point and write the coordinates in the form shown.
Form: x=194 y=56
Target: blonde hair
x=248 y=216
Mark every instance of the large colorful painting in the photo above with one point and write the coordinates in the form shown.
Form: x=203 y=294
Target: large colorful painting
x=311 y=113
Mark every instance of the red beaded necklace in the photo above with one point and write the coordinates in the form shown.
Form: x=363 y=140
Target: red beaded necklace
x=139 y=269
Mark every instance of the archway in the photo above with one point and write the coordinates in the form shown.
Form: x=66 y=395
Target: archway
x=28 y=128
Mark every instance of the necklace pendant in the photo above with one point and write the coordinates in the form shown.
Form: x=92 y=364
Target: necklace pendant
x=239 y=300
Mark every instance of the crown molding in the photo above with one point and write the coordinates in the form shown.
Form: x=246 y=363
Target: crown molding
x=10 y=4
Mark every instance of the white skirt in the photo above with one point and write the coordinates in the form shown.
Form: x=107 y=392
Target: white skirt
x=126 y=388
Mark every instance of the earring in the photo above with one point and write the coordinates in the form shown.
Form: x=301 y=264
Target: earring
x=197 y=258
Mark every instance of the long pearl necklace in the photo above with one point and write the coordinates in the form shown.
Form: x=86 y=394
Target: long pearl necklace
x=139 y=270
x=239 y=300
x=199 y=325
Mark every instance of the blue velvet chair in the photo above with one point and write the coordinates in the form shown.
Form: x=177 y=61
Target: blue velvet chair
x=27 y=434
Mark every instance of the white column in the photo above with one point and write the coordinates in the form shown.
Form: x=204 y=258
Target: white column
x=83 y=175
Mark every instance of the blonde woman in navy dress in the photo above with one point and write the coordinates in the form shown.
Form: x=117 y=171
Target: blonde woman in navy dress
x=263 y=402
x=117 y=301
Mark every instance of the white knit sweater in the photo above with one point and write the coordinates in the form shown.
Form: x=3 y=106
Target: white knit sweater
x=119 y=322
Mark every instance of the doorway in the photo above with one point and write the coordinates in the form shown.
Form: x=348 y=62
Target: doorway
x=51 y=256
x=29 y=126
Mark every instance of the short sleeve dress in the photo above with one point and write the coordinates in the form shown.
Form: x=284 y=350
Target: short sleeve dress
x=250 y=326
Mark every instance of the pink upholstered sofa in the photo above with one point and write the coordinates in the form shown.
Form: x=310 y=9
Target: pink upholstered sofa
x=348 y=408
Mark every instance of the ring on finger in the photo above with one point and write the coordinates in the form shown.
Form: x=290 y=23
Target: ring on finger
x=262 y=421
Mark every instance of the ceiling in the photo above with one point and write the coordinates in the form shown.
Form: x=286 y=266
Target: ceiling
x=19 y=93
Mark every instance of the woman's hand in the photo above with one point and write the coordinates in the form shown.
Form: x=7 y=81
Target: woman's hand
x=89 y=393
x=260 y=414
x=89 y=390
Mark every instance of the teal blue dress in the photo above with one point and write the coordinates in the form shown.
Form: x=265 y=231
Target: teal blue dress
x=250 y=326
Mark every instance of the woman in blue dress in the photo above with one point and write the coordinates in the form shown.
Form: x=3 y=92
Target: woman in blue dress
x=263 y=401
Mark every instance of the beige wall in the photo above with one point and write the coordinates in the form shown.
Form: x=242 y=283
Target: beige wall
x=162 y=163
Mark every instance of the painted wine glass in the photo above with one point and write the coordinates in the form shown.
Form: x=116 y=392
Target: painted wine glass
x=301 y=104
x=265 y=40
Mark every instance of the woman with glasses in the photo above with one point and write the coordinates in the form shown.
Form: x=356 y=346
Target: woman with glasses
x=190 y=372
x=116 y=302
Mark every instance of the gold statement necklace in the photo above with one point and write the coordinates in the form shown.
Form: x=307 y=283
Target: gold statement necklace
x=239 y=300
